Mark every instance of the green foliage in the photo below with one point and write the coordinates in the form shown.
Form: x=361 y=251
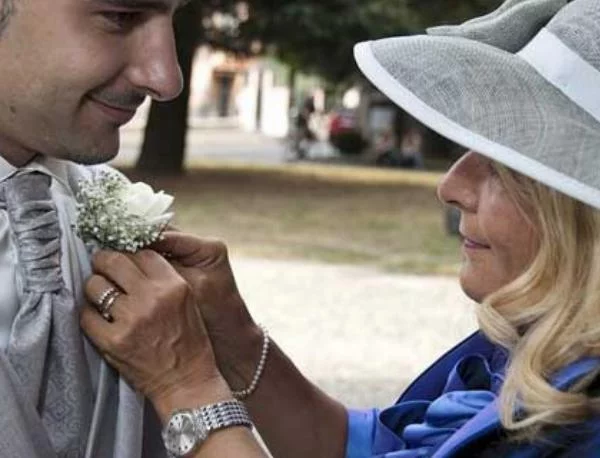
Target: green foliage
x=318 y=37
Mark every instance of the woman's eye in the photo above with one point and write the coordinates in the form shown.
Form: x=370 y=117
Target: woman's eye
x=491 y=166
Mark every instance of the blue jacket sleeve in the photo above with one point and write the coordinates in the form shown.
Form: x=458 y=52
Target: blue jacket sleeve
x=361 y=433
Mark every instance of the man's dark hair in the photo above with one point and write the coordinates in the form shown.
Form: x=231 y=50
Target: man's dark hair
x=6 y=10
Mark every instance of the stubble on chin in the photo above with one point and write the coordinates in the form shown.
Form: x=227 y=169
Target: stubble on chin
x=86 y=152
x=89 y=157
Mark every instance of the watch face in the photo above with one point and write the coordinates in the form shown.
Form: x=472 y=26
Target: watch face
x=182 y=433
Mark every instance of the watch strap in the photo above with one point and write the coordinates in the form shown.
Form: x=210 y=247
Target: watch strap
x=223 y=415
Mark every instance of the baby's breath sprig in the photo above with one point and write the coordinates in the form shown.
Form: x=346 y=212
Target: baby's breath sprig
x=103 y=218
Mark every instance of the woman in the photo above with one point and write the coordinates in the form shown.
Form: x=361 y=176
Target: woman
x=528 y=191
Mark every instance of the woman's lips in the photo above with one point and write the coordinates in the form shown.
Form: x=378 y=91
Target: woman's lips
x=474 y=245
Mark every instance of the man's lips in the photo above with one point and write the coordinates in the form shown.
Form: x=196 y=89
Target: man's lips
x=120 y=115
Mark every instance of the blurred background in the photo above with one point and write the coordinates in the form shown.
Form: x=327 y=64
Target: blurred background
x=322 y=188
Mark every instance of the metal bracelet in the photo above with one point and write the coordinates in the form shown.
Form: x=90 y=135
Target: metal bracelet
x=224 y=414
x=243 y=394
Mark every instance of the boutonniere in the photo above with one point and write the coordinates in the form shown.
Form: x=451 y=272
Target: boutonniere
x=113 y=213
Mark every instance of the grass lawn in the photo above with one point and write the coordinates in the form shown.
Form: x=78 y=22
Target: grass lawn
x=390 y=219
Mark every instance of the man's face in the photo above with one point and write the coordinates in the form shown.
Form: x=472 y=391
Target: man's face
x=74 y=71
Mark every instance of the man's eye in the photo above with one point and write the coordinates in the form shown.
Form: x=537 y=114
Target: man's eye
x=122 y=20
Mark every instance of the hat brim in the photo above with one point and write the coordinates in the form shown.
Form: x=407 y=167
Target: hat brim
x=492 y=102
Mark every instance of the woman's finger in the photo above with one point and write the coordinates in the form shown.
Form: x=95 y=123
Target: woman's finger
x=103 y=294
x=96 y=328
x=100 y=334
x=119 y=269
x=152 y=264
x=189 y=250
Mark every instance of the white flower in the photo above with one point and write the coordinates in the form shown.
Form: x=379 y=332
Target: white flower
x=113 y=213
x=141 y=200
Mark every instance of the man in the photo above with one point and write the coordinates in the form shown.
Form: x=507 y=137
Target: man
x=304 y=135
x=73 y=72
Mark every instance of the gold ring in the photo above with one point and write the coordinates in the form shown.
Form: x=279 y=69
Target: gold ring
x=104 y=296
x=106 y=302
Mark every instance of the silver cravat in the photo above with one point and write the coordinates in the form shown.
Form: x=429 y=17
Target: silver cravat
x=46 y=393
x=48 y=406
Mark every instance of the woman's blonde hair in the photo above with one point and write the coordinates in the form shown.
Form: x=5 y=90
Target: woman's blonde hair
x=550 y=315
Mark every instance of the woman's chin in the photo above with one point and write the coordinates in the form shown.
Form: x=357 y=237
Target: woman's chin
x=471 y=286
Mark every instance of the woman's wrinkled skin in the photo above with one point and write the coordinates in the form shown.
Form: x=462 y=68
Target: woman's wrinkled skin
x=499 y=242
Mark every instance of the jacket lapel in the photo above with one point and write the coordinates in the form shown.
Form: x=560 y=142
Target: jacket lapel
x=488 y=421
x=429 y=385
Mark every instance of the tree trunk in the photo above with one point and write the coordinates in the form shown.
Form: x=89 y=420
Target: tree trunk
x=163 y=149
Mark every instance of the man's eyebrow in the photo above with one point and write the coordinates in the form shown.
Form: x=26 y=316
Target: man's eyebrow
x=160 y=5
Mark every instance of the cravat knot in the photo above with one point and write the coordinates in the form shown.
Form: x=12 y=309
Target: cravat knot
x=34 y=219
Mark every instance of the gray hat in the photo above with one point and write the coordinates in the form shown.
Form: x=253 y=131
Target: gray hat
x=520 y=85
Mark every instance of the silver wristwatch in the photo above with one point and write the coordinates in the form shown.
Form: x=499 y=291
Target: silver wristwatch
x=189 y=428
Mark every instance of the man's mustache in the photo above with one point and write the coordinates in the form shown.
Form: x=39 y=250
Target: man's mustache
x=125 y=100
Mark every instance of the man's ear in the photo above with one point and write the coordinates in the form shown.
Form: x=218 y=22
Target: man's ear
x=6 y=10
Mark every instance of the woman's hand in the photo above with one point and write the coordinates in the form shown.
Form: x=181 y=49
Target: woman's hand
x=204 y=264
x=318 y=425
x=157 y=341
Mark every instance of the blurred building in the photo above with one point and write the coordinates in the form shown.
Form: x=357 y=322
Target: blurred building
x=253 y=93
x=217 y=78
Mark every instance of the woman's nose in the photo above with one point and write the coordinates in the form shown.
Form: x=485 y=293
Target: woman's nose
x=461 y=184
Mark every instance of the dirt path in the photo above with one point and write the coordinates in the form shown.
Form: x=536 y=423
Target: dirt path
x=358 y=333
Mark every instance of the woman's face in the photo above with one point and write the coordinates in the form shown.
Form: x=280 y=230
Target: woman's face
x=498 y=240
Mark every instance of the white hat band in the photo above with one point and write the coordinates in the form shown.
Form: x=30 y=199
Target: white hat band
x=565 y=69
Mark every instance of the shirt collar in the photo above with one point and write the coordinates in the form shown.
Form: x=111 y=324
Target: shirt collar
x=6 y=169
x=56 y=168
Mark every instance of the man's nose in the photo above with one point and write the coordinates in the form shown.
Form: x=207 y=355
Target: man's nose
x=154 y=68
